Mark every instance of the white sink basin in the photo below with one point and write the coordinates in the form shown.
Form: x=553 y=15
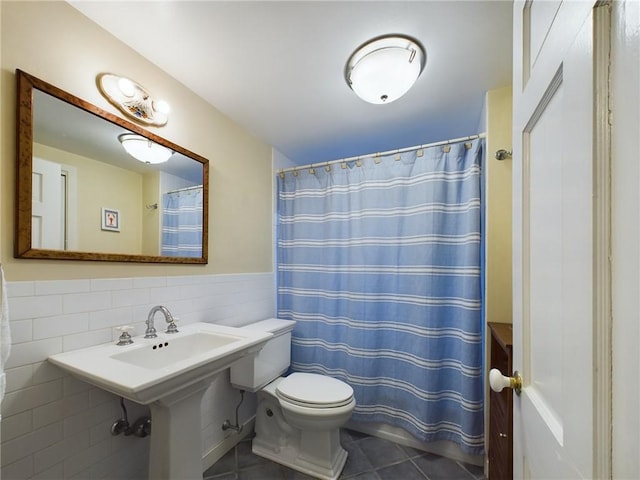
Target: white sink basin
x=150 y=369
x=168 y=351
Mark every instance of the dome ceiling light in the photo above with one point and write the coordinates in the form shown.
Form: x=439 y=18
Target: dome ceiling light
x=385 y=68
x=143 y=149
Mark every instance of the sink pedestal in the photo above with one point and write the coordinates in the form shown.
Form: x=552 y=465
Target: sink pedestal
x=176 y=435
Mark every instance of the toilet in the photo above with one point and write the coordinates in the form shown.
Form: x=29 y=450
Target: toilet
x=299 y=416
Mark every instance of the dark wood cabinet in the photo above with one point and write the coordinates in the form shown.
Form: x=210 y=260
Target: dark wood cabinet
x=501 y=405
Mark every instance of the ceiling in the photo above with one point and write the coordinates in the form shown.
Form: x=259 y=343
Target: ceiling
x=277 y=68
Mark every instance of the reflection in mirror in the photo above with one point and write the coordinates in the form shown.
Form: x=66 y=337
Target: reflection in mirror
x=80 y=195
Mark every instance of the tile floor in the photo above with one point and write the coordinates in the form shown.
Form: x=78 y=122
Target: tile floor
x=370 y=458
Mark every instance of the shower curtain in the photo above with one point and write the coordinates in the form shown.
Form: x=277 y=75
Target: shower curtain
x=379 y=263
x=182 y=223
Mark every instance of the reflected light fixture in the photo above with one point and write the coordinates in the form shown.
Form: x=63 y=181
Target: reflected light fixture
x=385 y=68
x=133 y=99
x=143 y=149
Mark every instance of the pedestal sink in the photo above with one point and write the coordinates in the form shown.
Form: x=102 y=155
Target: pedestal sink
x=169 y=373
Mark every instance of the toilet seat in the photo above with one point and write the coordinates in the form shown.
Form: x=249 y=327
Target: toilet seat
x=314 y=391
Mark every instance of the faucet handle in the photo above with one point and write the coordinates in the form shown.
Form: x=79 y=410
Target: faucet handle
x=125 y=337
x=172 y=328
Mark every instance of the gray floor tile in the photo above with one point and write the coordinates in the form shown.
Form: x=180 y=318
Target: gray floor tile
x=291 y=474
x=439 y=468
x=357 y=461
x=412 y=452
x=366 y=476
x=405 y=471
x=224 y=476
x=246 y=458
x=369 y=458
x=381 y=452
x=475 y=470
x=226 y=464
x=269 y=471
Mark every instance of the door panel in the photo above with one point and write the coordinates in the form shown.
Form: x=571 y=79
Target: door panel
x=543 y=367
x=46 y=213
x=554 y=248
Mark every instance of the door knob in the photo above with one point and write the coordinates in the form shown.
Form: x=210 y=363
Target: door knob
x=499 y=381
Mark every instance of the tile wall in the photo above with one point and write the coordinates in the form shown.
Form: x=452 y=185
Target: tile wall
x=54 y=426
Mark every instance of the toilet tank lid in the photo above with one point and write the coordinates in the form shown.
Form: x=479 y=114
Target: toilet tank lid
x=272 y=325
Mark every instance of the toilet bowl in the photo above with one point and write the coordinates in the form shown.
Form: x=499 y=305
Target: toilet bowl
x=299 y=416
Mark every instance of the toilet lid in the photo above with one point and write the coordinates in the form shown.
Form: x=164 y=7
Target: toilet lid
x=312 y=390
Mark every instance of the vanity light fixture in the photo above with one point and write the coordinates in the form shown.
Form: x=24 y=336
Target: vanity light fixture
x=143 y=149
x=133 y=99
x=385 y=68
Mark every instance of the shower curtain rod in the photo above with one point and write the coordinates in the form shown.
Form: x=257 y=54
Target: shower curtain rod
x=185 y=189
x=380 y=154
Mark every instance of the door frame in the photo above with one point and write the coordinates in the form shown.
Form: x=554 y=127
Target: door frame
x=603 y=317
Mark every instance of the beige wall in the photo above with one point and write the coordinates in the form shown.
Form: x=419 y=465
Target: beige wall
x=102 y=185
x=150 y=216
x=54 y=42
x=498 y=305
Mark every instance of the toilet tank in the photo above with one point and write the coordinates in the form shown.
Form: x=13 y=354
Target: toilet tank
x=253 y=373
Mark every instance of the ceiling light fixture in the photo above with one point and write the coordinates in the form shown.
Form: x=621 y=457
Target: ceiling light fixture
x=133 y=99
x=143 y=149
x=385 y=68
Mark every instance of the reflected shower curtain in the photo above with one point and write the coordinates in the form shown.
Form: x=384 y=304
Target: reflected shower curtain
x=379 y=264
x=182 y=223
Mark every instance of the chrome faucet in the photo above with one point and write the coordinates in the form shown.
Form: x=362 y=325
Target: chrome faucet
x=151 y=331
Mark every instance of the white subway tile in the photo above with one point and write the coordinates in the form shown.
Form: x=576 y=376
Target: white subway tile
x=21 y=289
x=83 y=460
x=159 y=295
x=57 y=326
x=44 y=372
x=21 y=308
x=111 y=284
x=22 y=469
x=76 y=403
x=86 y=339
x=98 y=396
x=48 y=413
x=25 y=445
x=31 y=397
x=149 y=282
x=49 y=397
x=181 y=280
x=51 y=456
x=72 y=385
x=21 y=331
x=109 y=318
x=54 y=473
x=58 y=287
x=19 y=378
x=32 y=352
x=16 y=425
x=130 y=298
x=100 y=431
x=86 y=302
x=82 y=421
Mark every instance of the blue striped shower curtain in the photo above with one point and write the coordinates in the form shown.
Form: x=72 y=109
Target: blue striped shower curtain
x=378 y=261
x=182 y=223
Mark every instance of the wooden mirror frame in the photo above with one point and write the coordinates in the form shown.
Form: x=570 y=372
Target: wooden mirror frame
x=24 y=172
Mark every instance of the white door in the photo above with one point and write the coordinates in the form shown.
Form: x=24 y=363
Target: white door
x=46 y=205
x=558 y=237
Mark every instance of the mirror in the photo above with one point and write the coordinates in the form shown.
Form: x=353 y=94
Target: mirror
x=80 y=196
